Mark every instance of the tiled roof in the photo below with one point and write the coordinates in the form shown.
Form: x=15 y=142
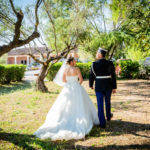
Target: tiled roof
x=25 y=51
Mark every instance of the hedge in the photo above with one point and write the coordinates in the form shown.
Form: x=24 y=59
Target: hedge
x=84 y=67
x=129 y=69
x=10 y=73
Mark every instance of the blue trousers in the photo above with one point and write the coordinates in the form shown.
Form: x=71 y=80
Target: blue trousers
x=100 y=102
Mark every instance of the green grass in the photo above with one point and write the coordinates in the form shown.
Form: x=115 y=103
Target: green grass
x=23 y=110
x=13 y=87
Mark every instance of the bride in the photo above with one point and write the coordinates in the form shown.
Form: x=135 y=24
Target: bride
x=59 y=76
x=73 y=114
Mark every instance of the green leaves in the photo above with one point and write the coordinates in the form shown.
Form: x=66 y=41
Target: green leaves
x=10 y=73
x=84 y=67
x=129 y=69
x=68 y=20
x=134 y=16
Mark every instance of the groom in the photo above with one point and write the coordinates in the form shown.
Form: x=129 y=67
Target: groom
x=103 y=73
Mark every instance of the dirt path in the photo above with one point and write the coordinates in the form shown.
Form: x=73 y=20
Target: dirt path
x=130 y=127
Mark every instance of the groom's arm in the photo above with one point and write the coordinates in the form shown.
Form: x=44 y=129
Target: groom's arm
x=91 y=77
x=113 y=75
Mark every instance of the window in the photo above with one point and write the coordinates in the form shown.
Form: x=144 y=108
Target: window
x=24 y=62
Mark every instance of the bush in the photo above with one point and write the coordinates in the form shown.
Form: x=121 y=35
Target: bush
x=53 y=70
x=84 y=67
x=147 y=69
x=10 y=73
x=2 y=73
x=129 y=69
x=144 y=72
x=115 y=63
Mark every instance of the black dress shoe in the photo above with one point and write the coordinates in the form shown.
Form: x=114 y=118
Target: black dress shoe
x=111 y=116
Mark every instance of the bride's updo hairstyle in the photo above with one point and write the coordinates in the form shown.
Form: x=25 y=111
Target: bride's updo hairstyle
x=69 y=60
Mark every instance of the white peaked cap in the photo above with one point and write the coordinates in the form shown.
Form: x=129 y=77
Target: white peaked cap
x=102 y=50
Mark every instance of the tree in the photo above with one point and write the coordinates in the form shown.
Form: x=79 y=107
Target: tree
x=101 y=31
x=60 y=34
x=46 y=62
x=60 y=44
x=137 y=25
x=8 y=21
x=132 y=19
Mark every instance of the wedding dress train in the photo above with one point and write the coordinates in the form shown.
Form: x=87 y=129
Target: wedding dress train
x=72 y=116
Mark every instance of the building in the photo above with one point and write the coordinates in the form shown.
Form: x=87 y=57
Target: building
x=20 y=56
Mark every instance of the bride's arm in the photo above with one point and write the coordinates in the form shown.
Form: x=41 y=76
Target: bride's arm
x=64 y=76
x=80 y=75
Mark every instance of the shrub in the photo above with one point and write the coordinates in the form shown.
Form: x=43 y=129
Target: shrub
x=129 y=69
x=20 y=72
x=84 y=67
x=53 y=70
x=144 y=72
x=147 y=68
x=10 y=73
x=115 y=63
x=2 y=73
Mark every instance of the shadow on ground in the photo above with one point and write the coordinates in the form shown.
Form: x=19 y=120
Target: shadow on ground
x=26 y=141
x=118 y=127
x=137 y=84
x=14 y=86
x=130 y=105
x=116 y=147
x=115 y=128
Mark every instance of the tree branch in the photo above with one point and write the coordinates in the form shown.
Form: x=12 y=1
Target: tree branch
x=6 y=18
x=113 y=50
x=53 y=25
x=36 y=14
x=16 y=42
x=58 y=57
x=37 y=60
x=13 y=7
x=37 y=49
x=18 y=26
x=29 y=39
x=62 y=54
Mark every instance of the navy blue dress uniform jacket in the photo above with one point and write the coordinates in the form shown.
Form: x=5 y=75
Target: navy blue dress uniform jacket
x=103 y=67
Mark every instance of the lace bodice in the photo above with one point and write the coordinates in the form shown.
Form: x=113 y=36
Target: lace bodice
x=72 y=79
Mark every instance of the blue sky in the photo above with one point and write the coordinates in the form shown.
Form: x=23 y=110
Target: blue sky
x=23 y=3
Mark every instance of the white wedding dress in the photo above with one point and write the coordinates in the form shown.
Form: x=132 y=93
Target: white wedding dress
x=72 y=116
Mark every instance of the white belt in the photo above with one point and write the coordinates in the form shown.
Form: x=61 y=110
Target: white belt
x=99 y=77
x=103 y=77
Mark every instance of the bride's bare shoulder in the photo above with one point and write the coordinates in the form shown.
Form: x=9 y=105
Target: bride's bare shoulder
x=65 y=70
x=77 y=68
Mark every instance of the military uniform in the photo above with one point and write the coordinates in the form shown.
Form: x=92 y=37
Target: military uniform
x=103 y=73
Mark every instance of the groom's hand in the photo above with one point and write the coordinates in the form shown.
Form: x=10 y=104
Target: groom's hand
x=92 y=87
x=113 y=91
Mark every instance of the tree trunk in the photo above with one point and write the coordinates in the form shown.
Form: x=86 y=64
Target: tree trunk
x=113 y=50
x=40 y=85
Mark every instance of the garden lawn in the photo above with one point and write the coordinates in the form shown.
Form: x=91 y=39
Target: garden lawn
x=22 y=111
